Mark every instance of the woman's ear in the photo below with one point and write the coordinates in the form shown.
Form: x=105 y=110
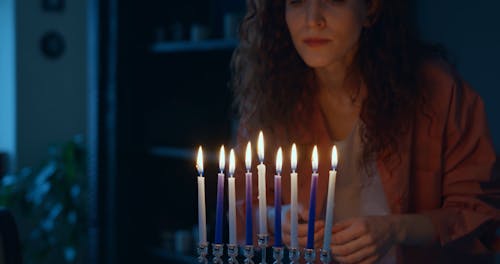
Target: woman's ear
x=373 y=11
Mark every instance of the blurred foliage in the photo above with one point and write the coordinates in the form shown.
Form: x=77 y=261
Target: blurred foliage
x=50 y=205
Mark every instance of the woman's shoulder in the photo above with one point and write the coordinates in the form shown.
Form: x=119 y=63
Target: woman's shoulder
x=447 y=100
x=442 y=87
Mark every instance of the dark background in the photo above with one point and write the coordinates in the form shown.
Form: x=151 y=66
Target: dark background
x=143 y=110
x=167 y=103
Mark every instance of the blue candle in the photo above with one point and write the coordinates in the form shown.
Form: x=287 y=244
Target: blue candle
x=312 y=204
x=277 y=200
x=220 y=198
x=248 y=200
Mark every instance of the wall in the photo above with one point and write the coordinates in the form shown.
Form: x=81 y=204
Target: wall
x=51 y=94
x=7 y=80
x=470 y=31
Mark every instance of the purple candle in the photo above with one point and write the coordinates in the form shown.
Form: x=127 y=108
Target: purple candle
x=277 y=200
x=248 y=200
x=220 y=198
x=249 y=210
x=312 y=204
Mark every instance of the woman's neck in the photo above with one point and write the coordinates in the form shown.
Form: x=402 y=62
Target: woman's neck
x=341 y=93
x=340 y=82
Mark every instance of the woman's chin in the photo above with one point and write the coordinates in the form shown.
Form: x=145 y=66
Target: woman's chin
x=317 y=63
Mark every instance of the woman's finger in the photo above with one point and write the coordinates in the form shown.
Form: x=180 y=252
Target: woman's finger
x=286 y=239
x=285 y=215
x=319 y=231
x=342 y=225
x=353 y=232
x=359 y=255
x=302 y=241
x=286 y=227
x=302 y=229
x=318 y=244
x=351 y=247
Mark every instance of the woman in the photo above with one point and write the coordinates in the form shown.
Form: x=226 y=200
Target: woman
x=412 y=136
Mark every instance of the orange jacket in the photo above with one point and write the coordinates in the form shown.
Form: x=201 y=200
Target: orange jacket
x=444 y=170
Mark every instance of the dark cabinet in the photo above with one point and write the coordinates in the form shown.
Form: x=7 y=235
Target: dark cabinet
x=167 y=97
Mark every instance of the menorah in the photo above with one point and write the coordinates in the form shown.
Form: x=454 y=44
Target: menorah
x=278 y=249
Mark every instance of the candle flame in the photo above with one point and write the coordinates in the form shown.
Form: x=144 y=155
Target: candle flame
x=260 y=147
x=294 y=157
x=315 y=159
x=231 y=163
x=248 y=156
x=334 y=158
x=199 y=161
x=222 y=159
x=279 y=161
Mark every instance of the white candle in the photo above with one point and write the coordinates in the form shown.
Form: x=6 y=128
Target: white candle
x=293 y=207
x=232 y=200
x=330 y=202
x=261 y=170
x=202 y=222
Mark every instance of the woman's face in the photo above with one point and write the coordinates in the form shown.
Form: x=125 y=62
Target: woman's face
x=325 y=32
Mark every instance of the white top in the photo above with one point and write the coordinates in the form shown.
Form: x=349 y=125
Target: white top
x=358 y=190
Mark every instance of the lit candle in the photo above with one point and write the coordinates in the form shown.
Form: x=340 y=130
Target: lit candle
x=312 y=204
x=277 y=199
x=330 y=204
x=261 y=170
x=249 y=209
x=220 y=198
x=202 y=220
x=232 y=200
x=294 y=204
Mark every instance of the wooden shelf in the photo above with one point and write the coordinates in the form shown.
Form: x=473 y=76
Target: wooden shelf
x=180 y=153
x=187 y=46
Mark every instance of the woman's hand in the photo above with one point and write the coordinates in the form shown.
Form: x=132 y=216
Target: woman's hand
x=301 y=228
x=364 y=239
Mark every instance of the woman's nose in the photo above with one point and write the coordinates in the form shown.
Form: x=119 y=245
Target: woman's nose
x=315 y=16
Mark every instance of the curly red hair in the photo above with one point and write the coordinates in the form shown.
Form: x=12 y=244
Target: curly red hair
x=269 y=77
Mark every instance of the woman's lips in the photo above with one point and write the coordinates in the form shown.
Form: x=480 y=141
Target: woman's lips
x=315 y=42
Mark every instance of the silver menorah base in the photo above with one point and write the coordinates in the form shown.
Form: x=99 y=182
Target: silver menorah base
x=232 y=252
x=202 y=253
x=294 y=255
x=278 y=255
x=325 y=256
x=218 y=251
x=248 y=253
x=263 y=241
x=309 y=255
